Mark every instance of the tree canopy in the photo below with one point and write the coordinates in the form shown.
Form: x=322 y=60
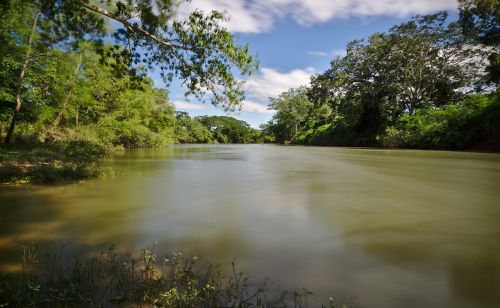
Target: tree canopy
x=427 y=63
x=139 y=36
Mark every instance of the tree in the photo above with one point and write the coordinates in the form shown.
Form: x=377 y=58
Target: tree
x=27 y=57
x=230 y=130
x=480 y=22
x=424 y=62
x=75 y=94
x=197 y=49
x=188 y=130
x=293 y=111
x=47 y=26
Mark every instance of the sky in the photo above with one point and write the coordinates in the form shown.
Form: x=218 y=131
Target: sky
x=294 y=39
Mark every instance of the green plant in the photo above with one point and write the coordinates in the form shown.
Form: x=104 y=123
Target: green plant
x=112 y=278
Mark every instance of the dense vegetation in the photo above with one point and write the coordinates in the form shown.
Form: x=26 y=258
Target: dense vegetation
x=59 y=80
x=68 y=80
x=214 y=129
x=74 y=86
x=427 y=83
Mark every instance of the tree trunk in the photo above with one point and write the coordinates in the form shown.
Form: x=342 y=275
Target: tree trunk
x=68 y=95
x=27 y=58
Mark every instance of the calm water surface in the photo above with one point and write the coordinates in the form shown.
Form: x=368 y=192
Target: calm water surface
x=384 y=228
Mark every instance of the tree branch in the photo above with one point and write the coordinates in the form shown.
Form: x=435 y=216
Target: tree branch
x=132 y=27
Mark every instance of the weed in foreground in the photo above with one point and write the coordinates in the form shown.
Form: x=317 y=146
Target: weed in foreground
x=148 y=280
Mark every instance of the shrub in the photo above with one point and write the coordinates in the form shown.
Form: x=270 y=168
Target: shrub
x=10 y=172
x=49 y=174
x=470 y=124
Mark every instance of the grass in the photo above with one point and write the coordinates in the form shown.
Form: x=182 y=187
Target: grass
x=112 y=279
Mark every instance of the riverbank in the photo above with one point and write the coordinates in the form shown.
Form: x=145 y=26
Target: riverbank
x=146 y=279
x=469 y=125
x=50 y=162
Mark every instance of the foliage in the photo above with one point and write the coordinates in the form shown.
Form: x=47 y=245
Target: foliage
x=469 y=124
x=418 y=72
x=230 y=130
x=479 y=20
x=214 y=129
x=417 y=64
x=50 y=162
x=111 y=278
x=57 y=73
x=198 y=50
x=295 y=114
x=189 y=130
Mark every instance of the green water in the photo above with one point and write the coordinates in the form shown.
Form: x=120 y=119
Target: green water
x=382 y=228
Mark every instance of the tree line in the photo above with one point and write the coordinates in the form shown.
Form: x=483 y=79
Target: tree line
x=78 y=70
x=426 y=83
x=215 y=129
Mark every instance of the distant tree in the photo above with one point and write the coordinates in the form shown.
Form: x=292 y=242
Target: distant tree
x=230 y=130
x=295 y=112
x=189 y=130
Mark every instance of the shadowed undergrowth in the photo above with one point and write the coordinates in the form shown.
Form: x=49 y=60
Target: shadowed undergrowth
x=50 y=162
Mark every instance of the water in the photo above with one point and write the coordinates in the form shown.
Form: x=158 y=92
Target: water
x=382 y=228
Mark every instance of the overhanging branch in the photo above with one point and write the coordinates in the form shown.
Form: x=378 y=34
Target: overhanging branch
x=132 y=27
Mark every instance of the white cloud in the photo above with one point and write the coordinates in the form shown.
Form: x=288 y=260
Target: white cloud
x=317 y=53
x=189 y=106
x=268 y=82
x=243 y=16
x=255 y=107
x=271 y=83
x=255 y=16
x=333 y=53
x=339 y=53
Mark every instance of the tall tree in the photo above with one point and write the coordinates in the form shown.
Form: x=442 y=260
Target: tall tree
x=47 y=27
x=197 y=49
x=293 y=109
x=480 y=21
x=27 y=57
x=420 y=63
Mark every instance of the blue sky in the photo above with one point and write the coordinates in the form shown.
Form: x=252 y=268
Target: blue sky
x=295 y=39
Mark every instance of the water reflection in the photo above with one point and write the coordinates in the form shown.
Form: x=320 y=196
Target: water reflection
x=387 y=228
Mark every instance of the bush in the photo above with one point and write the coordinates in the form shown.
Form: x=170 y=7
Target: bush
x=80 y=151
x=131 y=134
x=336 y=133
x=10 y=172
x=49 y=174
x=394 y=138
x=471 y=124
x=51 y=162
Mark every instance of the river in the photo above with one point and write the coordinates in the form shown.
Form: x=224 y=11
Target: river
x=379 y=228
